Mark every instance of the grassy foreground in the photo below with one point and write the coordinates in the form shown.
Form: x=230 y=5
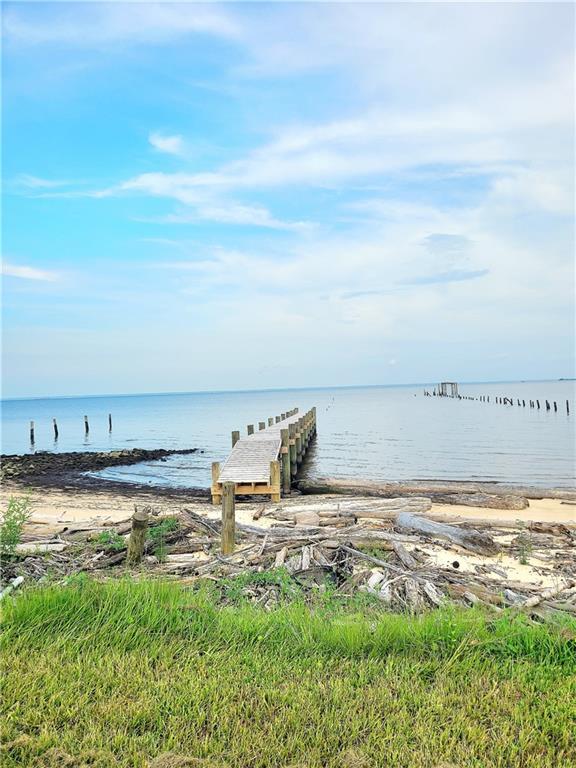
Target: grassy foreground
x=148 y=673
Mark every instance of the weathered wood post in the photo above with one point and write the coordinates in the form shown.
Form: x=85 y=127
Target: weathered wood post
x=216 y=489
x=286 y=476
x=547 y=405
x=567 y=407
x=55 y=425
x=235 y=437
x=277 y=419
x=275 y=480
x=32 y=432
x=292 y=441
x=299 y=441
x=538 y=404
x=270 y=421
x=86 y=425
x=137 y=538
x=228 y=518
x=109 y=422
x=250 y=429
x=555 y=407
x=261 y=425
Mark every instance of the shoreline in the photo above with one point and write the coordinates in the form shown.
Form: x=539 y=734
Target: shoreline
x=66 y=471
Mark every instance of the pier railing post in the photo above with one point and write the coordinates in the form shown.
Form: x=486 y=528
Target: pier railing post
x=261 y=425
x=286 y=476
x=292 y=446
x=228 y=518
x=216 y=488
x=270 y=421
x=235 y=437
x=299 y=441
x=250 y=429
x=275 y=480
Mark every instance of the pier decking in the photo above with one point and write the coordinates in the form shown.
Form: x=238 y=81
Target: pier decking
x=265 y=461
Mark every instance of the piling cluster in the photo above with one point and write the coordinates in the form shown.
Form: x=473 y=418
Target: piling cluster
x=548 y=405
x=57 y=431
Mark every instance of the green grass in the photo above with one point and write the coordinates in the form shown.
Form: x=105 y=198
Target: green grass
x=116 y=674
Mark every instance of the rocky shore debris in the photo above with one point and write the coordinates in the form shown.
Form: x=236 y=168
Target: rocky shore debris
x=380 y=547
x=45 y=467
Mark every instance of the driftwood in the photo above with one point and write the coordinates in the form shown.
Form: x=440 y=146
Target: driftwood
x=475 y=541
x=490 y=501
x=427 y=488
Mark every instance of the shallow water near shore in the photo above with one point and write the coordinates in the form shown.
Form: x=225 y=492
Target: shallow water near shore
x=381 y=433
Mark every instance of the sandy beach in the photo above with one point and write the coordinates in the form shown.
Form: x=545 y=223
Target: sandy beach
x=53 y=507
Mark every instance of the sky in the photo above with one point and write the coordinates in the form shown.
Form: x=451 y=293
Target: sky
x=261 y=195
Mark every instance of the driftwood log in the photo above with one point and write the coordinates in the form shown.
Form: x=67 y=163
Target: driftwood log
x=475 y=541
x=429 y=488
x=490 y=501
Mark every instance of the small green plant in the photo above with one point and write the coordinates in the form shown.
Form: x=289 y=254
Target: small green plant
x=524 y=549
x=110 y=540
x=14 y=518
x=157 y=536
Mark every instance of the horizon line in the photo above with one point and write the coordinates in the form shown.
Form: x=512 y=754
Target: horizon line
x=274 y=389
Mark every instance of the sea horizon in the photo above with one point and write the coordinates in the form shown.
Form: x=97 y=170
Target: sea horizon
x=431 y=383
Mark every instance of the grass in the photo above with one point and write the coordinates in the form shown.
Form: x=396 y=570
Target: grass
x=12 y=523
x=125 y=672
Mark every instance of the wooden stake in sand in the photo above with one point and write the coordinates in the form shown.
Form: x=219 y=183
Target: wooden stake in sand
x=137 y=537
x=228 y=518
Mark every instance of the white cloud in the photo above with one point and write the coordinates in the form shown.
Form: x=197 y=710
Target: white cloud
x=172 y=145
x=28 y=181
x=96 y=24
x=28 y=273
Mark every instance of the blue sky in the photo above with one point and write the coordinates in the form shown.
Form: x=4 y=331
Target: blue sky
x=228 y=196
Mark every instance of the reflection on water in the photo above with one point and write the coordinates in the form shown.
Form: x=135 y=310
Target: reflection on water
x=387 y=433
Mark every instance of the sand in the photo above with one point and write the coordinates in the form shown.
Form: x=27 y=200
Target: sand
x=53 y=508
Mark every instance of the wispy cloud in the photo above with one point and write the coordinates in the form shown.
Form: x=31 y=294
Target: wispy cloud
x=28 y=273
x=28 y=181
x=455 y=276
x=95 y=24
x=171 y=145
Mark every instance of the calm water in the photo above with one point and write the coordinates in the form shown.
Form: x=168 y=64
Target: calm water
x=388 y=433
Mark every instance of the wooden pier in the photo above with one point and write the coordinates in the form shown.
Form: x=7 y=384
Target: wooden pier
x=267 y=460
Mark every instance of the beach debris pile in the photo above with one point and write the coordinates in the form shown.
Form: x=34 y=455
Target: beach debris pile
x=395 y=550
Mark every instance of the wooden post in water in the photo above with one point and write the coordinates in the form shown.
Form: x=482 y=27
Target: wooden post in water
x=228 y=518
x=299 y=441
x=32 y=432
x=555 y=407
x=86 y=425
x=261 y=425
x=137 y=537
x=292 y=440
x=55 y=425
x=275 y=480
x=547 y=405
x=538 y=404
x=286 y=476
x=109 y=422
x=235 y=437
x=567 y=407
x=216 y=490
x=250 y=429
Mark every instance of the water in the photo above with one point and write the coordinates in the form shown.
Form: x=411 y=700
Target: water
x=382 y=433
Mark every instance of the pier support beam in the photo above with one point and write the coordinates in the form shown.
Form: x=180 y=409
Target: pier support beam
x=286 y=474
x=216 y=489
